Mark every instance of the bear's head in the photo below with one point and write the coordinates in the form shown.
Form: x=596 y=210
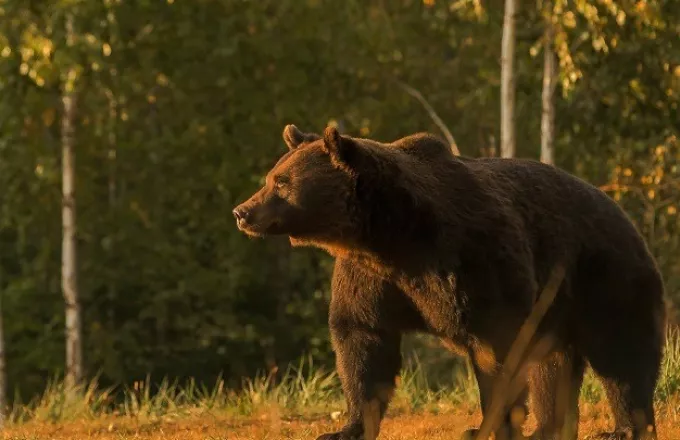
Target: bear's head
x=305 y=193
x=339 y=193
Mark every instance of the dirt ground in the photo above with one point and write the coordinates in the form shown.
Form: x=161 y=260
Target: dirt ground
x=447 y=426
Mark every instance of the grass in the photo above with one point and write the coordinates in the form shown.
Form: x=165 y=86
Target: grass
x=303 y=402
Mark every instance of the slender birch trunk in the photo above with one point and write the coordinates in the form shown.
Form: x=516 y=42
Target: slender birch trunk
x=548 y=95
x=69 y=285
x=68 y=249
x=508 y=81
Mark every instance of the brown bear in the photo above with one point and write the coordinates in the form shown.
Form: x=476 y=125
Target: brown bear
x=461 y=248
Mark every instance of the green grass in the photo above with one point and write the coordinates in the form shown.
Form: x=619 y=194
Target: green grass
x=302 y=389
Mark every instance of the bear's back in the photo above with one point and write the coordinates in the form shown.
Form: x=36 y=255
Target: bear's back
x=423 y=146
x=561 y=209
x=556 y=207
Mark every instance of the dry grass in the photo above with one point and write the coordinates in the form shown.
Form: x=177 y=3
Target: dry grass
x=304 y=403
x=271 y=425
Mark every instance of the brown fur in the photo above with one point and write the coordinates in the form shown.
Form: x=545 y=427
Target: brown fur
x=459 y=248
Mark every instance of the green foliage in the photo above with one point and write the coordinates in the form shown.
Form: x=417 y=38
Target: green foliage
x=180 y=110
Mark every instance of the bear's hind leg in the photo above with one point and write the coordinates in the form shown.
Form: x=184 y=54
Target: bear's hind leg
x=554 y=387
x=629 y=371
x=631 y=401
x=621 y=332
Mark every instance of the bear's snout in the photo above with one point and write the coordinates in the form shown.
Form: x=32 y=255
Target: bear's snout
x=255 y=218
x=242 y=215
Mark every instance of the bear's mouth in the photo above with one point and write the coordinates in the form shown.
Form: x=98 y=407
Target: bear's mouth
x=249 y=229
x=259 y=230
x=252 y=233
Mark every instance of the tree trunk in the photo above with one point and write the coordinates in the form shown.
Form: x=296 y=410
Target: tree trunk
x=548 y=95
x=508 y=81
x=3 y=376
x=433 y=115
x=68 y=250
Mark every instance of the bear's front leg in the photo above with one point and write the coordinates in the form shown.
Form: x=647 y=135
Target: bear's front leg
x=368 y=362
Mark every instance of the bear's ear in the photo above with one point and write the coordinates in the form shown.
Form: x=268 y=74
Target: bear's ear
x=343 y=150
x=293 y=136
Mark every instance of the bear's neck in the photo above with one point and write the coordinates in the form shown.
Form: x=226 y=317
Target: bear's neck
x=419 y=213
x=407 y=216
x=391 y=225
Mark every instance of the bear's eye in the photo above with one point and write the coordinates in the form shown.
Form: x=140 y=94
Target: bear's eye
x=280 y=182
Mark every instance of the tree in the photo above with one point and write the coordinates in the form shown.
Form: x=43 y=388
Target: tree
x=508 y=81
x=74 y=357
x=435 y=117
x=548 y=94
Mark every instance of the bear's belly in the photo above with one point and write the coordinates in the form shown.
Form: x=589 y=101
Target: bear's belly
x=439 y=306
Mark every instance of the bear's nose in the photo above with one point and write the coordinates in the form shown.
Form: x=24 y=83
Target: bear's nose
x=240 y=214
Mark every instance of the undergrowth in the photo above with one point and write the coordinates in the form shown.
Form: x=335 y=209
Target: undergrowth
x=303 y=389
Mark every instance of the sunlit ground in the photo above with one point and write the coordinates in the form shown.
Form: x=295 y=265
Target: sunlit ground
x=268 y=425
